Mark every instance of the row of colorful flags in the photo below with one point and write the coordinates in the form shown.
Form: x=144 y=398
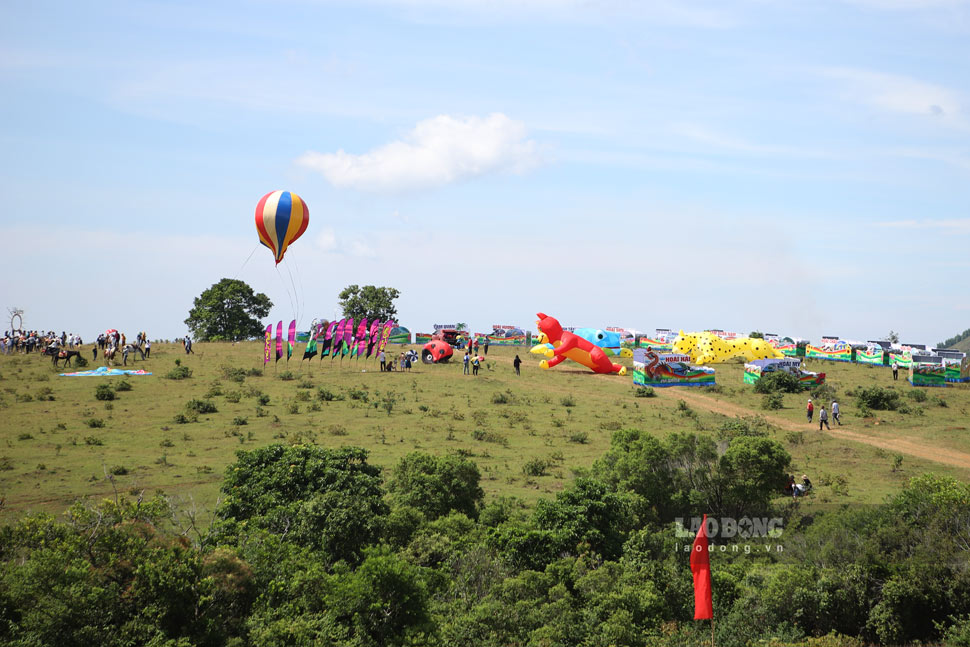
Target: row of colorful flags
x=339 y=338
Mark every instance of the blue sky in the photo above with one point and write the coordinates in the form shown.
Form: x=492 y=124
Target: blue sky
x=800 y=168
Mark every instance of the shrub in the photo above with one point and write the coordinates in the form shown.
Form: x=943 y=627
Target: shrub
x=104 y=392
x=878 y=398
x=183 y=419
x=239 y=421
x=918 y=395
x=645 y=392
x=302 y=396
x=337 y=430
x=772 y=401
x=535 y=467
x=262 y=399
x=500 y=398
x=179 y=373
x=119 y=470
x=123 y=385
x=684 y=409
x=25 y=436
x=234 y=374
x=286 y=376
x=326 y=395
x=778 y=382
x=91 y=440
x=579 y=437
x=567 y=401
x=200 y=406
x=233 y=396
x=94 y=423
x=254 y=372
x=46 y=394
x=823 y=393
x=940 y=402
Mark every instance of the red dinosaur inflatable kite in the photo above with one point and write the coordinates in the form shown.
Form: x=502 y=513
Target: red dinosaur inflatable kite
x=566 y=345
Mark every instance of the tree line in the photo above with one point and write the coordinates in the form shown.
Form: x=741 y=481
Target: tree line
x=313 y=546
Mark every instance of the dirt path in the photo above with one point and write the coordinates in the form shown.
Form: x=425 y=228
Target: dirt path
x=912 y=447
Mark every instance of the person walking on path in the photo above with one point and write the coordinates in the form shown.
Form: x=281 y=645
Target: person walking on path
x=517 y=363
x=835 y=412
x=465 y=360
x=809 y=410
x=823 y=419
x=895 y=371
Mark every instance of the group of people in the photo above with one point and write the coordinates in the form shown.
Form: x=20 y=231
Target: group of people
x=476 y=362
x=404 y=361
x=20 y=341
x=797 y=489
x=823 y=415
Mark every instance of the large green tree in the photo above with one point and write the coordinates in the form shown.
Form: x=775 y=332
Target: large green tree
x=228 y=311
x=436 y=485
x=369 y=302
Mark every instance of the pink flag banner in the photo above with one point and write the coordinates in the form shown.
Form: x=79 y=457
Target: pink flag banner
x=279 y=341
x=348 y=337
x=375 y=334
x=290 y=340
x=338 y=339
x=328 y=339
x=361 y=338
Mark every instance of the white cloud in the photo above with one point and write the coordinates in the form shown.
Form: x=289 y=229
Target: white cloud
x=438 y=151
x=326 y=240
x=901 y=94
x=953 y=226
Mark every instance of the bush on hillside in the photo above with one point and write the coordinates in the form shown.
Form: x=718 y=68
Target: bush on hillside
x=878 y=398
x=778 y=382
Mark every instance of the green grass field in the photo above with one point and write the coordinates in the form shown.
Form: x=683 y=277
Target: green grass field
x=528 y=434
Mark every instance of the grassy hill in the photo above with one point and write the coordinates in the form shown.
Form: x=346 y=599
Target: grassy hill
x=529 y=435
x=958 y=342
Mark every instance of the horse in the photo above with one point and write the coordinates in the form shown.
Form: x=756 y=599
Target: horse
x=111 y=351
x=58 y=354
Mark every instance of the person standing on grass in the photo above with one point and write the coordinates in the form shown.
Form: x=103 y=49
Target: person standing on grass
x=835 y=412
x=517 y=363
x=823 y=419
x=148 y=349
x=895 y=371
x=486 y=346
x=809 y=410
x=383 y=360
x=475 y=364
x=464 y=363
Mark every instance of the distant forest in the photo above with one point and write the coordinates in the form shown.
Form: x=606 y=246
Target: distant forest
x=953 y=341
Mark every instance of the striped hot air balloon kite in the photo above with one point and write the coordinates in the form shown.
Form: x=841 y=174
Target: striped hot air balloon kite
x=281 y=218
